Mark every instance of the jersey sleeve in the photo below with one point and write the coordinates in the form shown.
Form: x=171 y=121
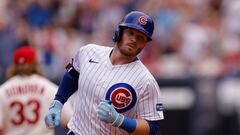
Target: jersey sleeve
x=82 y=53
x=149 y=105
x=76 y=60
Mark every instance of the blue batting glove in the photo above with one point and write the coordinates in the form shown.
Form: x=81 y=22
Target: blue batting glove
x=108 y=114
x=52 y=119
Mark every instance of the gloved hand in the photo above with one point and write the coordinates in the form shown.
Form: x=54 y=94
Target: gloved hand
x=52 y=119
x=108 y=114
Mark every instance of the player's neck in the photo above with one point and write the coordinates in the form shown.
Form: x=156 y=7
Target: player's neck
x=117 y=58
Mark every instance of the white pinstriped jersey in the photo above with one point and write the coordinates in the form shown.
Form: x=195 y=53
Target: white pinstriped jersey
x=24 y=102
x=131 y=88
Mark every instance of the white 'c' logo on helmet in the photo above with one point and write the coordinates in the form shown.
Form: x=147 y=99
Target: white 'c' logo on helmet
x=142 y=20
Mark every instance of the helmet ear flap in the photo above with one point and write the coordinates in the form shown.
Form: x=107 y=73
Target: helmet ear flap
x=117 y=35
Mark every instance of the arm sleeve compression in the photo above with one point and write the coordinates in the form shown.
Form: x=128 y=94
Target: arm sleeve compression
x=67 y=87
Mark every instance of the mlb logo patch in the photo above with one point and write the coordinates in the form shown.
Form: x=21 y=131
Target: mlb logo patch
x=159 y=107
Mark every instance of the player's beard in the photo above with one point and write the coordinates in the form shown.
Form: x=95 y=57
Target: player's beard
x=130 y=52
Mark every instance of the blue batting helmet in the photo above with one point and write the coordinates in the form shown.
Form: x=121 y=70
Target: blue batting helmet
x=138 y=21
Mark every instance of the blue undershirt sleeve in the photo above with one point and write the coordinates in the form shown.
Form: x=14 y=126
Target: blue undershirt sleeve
x=67 y=87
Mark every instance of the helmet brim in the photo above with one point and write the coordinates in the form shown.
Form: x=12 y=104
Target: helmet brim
x=138 y=28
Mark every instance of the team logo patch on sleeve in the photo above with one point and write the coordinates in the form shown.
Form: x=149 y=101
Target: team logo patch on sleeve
x=159 y=107
x=122 y=96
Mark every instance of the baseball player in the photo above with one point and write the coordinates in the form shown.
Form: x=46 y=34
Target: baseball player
x=26 y=97
x=116 y=94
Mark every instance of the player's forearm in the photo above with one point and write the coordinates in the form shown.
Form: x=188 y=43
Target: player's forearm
x=142 y=127
x=138 y=126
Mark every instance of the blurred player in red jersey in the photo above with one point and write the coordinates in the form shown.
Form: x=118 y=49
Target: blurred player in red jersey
x=26 y=97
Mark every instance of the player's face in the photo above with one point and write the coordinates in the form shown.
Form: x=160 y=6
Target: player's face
x=132 y=42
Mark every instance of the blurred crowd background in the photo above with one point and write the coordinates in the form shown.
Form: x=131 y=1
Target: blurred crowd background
x=196 y=45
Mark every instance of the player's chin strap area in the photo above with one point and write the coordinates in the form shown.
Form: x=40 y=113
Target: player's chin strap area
x=72 y=71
